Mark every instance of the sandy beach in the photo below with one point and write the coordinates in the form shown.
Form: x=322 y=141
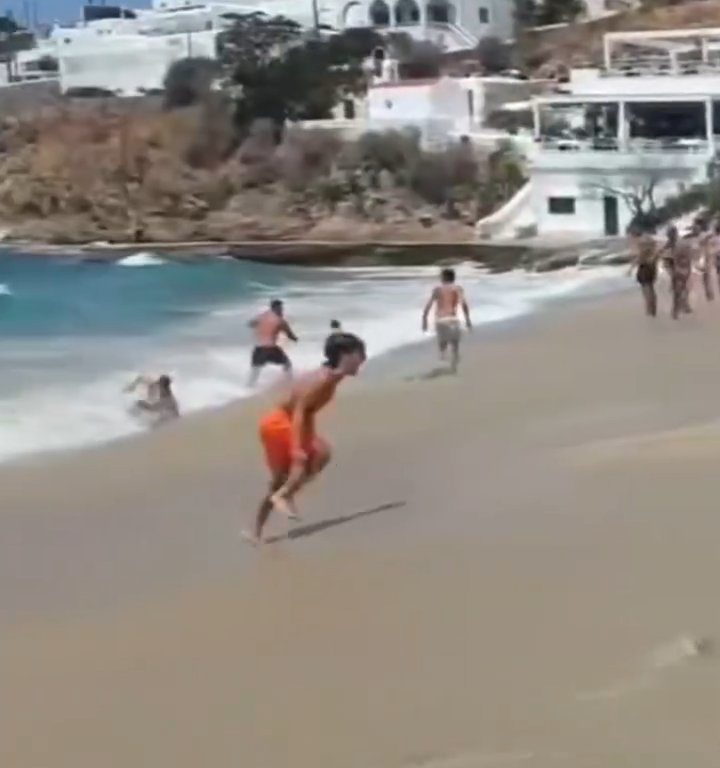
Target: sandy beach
x=515 y=567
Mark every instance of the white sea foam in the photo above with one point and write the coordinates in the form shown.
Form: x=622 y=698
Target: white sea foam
x=141 y=259
x=73 y=393
x=5 y=290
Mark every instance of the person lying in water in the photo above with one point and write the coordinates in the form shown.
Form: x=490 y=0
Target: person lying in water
x=159 y=404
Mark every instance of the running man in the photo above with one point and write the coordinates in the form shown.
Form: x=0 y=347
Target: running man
x=715 y=248
x=268 y=326
x=446 y=298
x=704 y=256
x=335 y=330
x=644 y=255
x=682 y=263
x=294 y=452
x=159 y=403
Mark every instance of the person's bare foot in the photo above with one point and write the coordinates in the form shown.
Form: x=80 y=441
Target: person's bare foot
x=250 y=538
x=285 y=506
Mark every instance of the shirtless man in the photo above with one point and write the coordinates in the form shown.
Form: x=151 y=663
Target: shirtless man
x=268 y=326
x=159 y=403
x=447 y=297
x=715 y=248
x=294 y=452
x=645 y=254
x=335 y=329
x=704 y=256
x=682 y=254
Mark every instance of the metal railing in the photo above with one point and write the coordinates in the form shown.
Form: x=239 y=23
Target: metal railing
x=639 y=146
x=660 y=67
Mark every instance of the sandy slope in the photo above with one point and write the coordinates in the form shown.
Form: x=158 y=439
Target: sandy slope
x=517 y=567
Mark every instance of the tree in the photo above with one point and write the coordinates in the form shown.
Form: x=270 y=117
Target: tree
x=273 y=71
x=189 y=81
x=525 y=14
x=417 y=59
x=558 y=11
x=13 y=38
x=494 y=55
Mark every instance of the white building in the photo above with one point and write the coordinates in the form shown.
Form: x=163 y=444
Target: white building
x=648 y=120
x=441 y=110
x=128 y=52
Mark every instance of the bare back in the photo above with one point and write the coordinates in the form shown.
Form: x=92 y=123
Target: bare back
x=683 y=256
x=268 y=326
x=313 y=390
x=645 y=250
x=447 y=300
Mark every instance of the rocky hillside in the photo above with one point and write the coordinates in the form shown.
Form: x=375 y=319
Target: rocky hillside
x=84 y=175
x=579 y=44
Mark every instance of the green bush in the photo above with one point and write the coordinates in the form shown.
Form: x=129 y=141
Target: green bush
x=189 y=81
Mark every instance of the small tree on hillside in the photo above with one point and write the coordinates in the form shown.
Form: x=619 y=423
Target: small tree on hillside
x=275 y=72
x=189 y=81
x=558 y=11
x=493 y=54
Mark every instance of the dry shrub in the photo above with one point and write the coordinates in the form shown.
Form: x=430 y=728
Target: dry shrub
x=393 y=151
x=306 y=155
x=582 y=43
x=213 y=135
x=256 y=155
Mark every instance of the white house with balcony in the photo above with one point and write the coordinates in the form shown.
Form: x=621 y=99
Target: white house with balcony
x=450 y=24
x=650 y=117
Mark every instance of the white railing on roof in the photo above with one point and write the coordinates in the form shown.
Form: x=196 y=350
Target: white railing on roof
x=660 y=67
x=632 y=145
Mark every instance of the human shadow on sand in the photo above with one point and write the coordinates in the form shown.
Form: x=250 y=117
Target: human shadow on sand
x=434 y=373
x=322 y=525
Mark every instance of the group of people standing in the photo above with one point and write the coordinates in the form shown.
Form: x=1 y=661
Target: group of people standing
x=696 y=252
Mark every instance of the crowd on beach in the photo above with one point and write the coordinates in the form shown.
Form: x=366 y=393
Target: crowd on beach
x=688 y=259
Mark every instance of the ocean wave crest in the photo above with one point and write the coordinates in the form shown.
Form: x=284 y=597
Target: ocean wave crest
x=141 y=259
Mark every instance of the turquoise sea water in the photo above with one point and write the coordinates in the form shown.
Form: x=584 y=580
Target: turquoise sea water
x=72 y=333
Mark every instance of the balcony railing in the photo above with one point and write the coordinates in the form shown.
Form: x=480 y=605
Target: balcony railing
x=686 y=146
x=659 y=67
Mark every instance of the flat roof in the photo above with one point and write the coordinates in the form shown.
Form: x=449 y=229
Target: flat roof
x=406 y=83
x=604 y=98
x=663 y=34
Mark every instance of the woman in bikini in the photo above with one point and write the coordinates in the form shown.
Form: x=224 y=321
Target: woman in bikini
x=294 y=452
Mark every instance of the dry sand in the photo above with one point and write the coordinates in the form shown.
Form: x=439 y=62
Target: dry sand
x=517 y=567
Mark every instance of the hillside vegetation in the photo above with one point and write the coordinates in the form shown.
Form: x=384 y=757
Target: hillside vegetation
x=579 y=44
x=78 y=176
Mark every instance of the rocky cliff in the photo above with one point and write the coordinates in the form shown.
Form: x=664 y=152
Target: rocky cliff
x=71 y=176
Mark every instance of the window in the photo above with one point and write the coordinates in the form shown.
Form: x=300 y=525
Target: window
x=561 y=205
x=484 y=14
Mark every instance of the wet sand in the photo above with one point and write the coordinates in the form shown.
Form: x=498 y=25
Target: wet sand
x=519 y=566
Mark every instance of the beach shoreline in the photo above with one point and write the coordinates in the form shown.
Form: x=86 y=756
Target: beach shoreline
x=515 y=566
x=499 y=255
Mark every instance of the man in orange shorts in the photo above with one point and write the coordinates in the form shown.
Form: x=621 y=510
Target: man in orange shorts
x=294 y=452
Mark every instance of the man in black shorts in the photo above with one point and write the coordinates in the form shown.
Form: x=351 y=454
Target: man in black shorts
x=644 y=256
x=268 y=326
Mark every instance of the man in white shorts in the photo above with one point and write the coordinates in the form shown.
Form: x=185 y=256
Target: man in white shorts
x=447 y=298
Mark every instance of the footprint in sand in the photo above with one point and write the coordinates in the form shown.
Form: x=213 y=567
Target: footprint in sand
x=470 y=760
x=681 y=650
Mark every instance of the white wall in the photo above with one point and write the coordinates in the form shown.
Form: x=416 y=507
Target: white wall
x=589 y=191
x=128 y=64
x=408 y=102
x=588 y=82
